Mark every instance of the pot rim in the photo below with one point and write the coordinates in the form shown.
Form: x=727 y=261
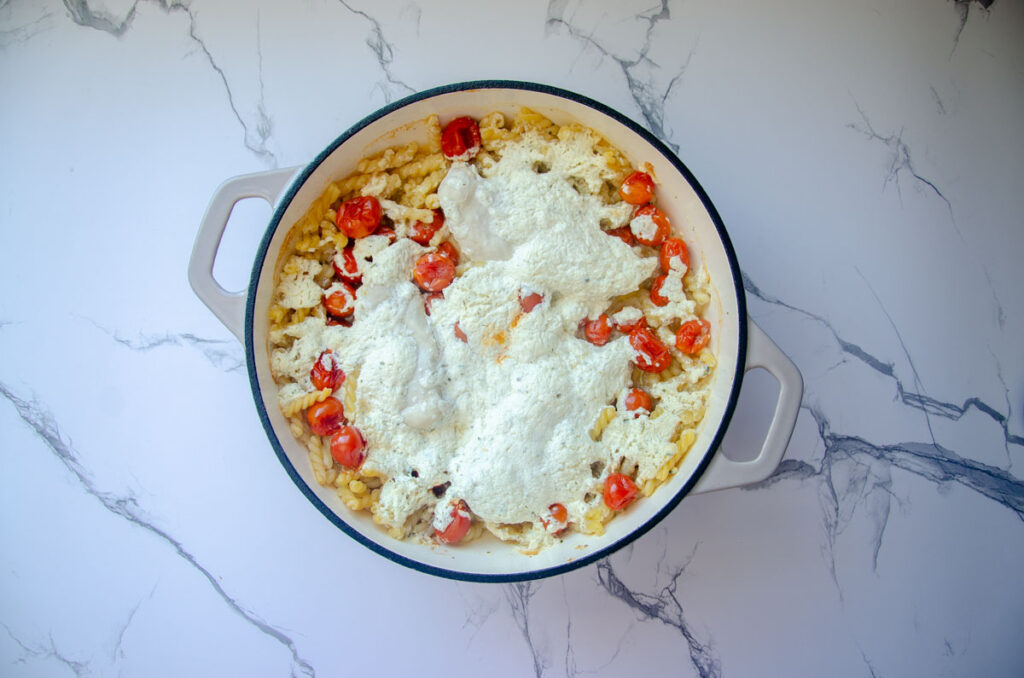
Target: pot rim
x=598 y=552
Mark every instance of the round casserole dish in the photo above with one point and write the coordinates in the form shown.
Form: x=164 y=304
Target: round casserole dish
x=738 y=344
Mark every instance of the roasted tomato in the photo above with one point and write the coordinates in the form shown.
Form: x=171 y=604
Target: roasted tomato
x=650 y=355
x=619 y=491
x=693 y=335
x=346 y=267
x=326 y=417
x=622 y=233
x=359 y=217
x=530 y=301
x=429 y=299
x=638 y=399
x=557 y=517
x=657 y=298
x=460 y=139
x=646 y=235
x=348 y=447
x=637 y=188
x=326 y=372
x=423 y=231
x=597 y=331
x=628 y=326
x=433 y=272
x=459 y=525
x=459 y=334
x=673 y=248
x=448 y=249
x=341 y=303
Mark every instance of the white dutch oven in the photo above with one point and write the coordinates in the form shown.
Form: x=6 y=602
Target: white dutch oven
x=738 y=342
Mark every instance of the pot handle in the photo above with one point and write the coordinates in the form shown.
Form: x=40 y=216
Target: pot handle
x=723 y=472
x=229 y=307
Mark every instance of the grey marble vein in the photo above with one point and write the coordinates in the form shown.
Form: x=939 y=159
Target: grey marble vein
x=639 y=71
x=101 y=20
x=79 y=668
x=663 y=606
x=25 y=32
x=224 y=354
x=963 y=10
x=126 y=507
x=384 y=52
x=518 y=595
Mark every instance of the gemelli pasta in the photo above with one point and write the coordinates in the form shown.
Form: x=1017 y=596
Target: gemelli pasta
x=492 y=331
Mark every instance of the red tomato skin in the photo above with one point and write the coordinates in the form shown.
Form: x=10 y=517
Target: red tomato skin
x=530 y=301
x=341 y=304
x=460 y=139
x=671 y=249
x=349 y=269
x=637 y=188
x=626 y=328
x=433 y=272
x=429 y=299
x=597 y=331
x=459 y=334
x=458 y=527
x=693 y=335
x=619 y=491
x=447 y=249
x=422 y=232
x=348 y=447
x=329 y=376
x=388 y=233
x=558 y=515
x=664 y=227
x=652 y=354
x=359 y=217
x=638 y=399
x=623 y=233
x=326 y=417
x=657 y=298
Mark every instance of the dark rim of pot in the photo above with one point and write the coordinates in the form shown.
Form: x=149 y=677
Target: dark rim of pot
x=599 y=552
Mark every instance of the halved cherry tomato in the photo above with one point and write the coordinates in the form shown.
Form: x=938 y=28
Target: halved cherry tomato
x=433 y=272
x=326 y=372
x=429 y=299
x=637 y=188
x=693 y=335
x=422 y=231
x=448 y=249
x=662 y=226
x=342 y=303
x=651 y=354
x=359 y=217
x=673 y=248
x=557 y=514
x=656 y=296
x=459 y=334
x=326 y=417
x=638 y=399
x=348 y=447
x=346 y=266
x=619 y=491
x=458 y=527
x=460 y=139
x=597 y=331
x=622 y=233
x=530 y=301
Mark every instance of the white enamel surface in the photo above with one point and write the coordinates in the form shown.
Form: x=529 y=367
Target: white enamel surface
x=866 y=160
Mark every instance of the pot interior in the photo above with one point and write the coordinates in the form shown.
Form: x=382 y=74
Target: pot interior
x=693 y=218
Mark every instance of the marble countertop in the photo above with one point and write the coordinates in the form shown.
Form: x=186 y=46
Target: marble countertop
x=867 y=160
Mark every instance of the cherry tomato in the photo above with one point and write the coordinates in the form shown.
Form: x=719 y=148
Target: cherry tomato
x=627 y=327
x=530 y=301
x=651 y=354
x=637 y=188
x=656 y=296
x=598 y=331
x=448 y=249
x=433 y=272
x=619 y=491
x=388 y=233
x=428 y=300
x=458 y=527
x=422 y=231
x=459 y=334
x=460 y=139
x=342 y=303
x=359 y=217
x=346 y=266
x=673 y=248
x=326 y=417
x=623 y=233
x=662 y=226
x=326 y=372
x=693 y=335
x=557 y=514
x=348 y=447
x=638 y=399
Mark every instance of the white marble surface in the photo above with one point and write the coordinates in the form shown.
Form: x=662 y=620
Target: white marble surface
x=867 y=159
